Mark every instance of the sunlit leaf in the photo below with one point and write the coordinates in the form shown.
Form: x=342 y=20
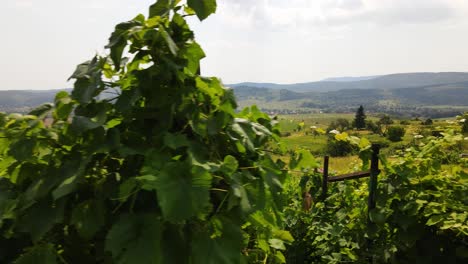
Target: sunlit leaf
x=203 y=8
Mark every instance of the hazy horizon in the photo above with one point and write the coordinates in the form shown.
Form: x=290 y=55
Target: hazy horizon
x=263 y=41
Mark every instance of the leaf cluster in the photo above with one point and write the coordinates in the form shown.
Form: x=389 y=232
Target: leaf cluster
x=146 y=161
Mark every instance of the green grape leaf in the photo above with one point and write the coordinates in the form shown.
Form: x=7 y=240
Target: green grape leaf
x=41 y=217
x=377 y=217
x=81 y=123
x=175 y=141
x=182 y=190
x=276 y=243
x=83 y=90
x=230 y=165
x=194 y=53
x=160 y=8
x=203 y=8
x=224 y=245
x=66 y=187
x=283 y=235
x=72 y=172
x=127 y=188
x=240 y=194
x=63 y=111
x=88 y=217
x=303 y=160
x=280 y=257
x=245 y=137
x=81 y=71
x=63 y=105
x=23 y=149
x=135 y=238
x=40 y=254
x=42 y=110
x=435 y=219
x=7 y=200
x=118 y=40
x=170 y=42
x=114 y=122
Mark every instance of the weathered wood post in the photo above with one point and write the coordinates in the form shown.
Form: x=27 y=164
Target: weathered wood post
x=325 y=178
x=374 y=172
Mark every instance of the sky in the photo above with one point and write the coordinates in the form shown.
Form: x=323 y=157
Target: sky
x=281 y=41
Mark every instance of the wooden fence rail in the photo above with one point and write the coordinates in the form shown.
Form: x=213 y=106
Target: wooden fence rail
x=372 y=173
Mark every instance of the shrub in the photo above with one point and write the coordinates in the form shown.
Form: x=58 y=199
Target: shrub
x=372 y=126
x=340 y=124
x=383 y=123
x=395 y=133
x=404 y=122
x=427 y=122
x=337 y=148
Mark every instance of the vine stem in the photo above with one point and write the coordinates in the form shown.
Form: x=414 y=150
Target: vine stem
x=133 y=201
x=222 y=203
x=219 y=190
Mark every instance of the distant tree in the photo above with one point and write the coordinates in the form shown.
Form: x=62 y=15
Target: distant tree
x=383 y=124
x=372 y=126
x=340 y=124
x=395 y=133
x=360 y=119
x=427 y=122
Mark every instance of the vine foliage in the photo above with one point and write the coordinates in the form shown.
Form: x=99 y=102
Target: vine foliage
x=146 y=160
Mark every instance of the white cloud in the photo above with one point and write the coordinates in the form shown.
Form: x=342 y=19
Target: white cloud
x=23 y=3
x=333 y=13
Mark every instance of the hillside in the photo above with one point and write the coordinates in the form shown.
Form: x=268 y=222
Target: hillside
x=23 y=100
x=391 y=81
x=409 y=94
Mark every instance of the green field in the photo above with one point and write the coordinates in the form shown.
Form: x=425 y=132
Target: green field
x=294 y=139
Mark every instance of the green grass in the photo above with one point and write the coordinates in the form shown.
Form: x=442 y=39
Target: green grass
x=341 y=165
x=316 y=144
x=289 y=122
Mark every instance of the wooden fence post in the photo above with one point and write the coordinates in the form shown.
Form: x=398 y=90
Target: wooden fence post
x=374 y=172
x=325 y=178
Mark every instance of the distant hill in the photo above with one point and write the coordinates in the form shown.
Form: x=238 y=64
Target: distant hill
x=248 y=92
x=23 y=100
x=410 y=94
x=391 y=81
x=349 y=79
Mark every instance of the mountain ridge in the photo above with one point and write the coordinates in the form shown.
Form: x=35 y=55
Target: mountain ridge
x=388 y=81
x=413 y=94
